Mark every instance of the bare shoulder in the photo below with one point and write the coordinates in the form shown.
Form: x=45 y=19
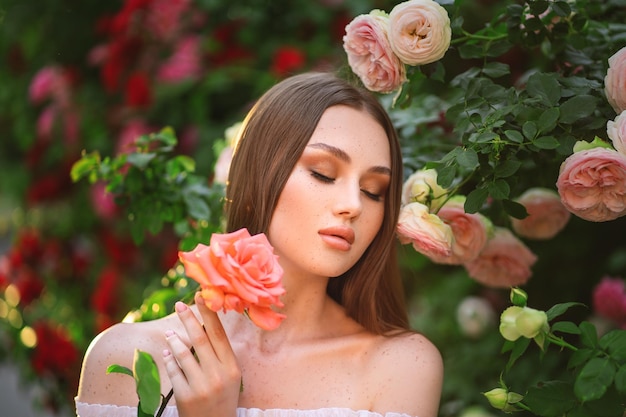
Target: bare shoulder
x=117 y=345
x=409 y=371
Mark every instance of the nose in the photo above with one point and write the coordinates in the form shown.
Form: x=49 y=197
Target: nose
x=348 y=201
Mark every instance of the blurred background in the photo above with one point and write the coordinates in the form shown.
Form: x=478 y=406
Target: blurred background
x=86 y=75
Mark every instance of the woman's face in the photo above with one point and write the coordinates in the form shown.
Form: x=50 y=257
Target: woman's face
x=332 y=205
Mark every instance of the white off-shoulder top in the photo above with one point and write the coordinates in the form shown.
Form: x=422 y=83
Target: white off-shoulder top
x=107 y=410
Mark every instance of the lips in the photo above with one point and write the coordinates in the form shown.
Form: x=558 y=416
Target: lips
x=338 y=237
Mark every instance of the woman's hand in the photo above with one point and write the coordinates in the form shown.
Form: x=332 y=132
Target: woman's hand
x=210 y=384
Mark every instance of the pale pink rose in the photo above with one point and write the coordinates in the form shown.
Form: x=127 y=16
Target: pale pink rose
x=615 y=81
x=547 y=215
x=592 y=184
x=616 y=130
x=504 y=262
x=419 y=31
x=238 y=272
x=184 y=64
x=426 y=231
x=370 y=55
x=470 y=233
x=422 y=187
x=45 y=122
x=609 y=299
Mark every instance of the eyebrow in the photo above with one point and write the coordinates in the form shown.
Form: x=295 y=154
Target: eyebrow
x=342 y=155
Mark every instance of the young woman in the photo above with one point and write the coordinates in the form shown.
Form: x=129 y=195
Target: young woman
x=318 y=169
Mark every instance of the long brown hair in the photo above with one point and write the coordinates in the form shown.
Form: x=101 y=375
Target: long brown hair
x=272 y=138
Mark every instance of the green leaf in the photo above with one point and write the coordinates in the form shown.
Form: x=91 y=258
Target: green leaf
x=565 y=327
x=551 y=398
x=499 y=189
x=119 y=369
x=514 y=209
x=558 y=309
x=546 y=142
x=84 y=166
x=496 y=69
x=529 y=129
x=545 y=87
x=141 y=160
x=577 y=108
x=514 y=136
x=547 y=120
x=147 y=381
x=614 y=343
x=580 y=357
x=588 y=334
x=620 y=380
x=594 y=379
x=475 y=200
x=507 y=168
x=467 y=158
x=519 y=347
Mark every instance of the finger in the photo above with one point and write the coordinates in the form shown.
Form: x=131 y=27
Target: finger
x=176 y=375
x=197 y=335
x=183 y=358
x=215 y=332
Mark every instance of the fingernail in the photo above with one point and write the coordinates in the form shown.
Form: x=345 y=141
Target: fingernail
x=166 y=353
x=169 y=333
x=180 y=306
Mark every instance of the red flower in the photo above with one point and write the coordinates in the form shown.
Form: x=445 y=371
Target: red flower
x=28 y=284
x=54 y=353
x=105 y=298
x=138 y=92
x=287 y=60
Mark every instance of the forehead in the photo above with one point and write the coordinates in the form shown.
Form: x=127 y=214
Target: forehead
x=354 y=131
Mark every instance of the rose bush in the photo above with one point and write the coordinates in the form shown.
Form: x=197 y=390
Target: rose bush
x=239 y=272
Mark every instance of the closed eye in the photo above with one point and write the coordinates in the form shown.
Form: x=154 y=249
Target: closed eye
x=372 y=196
x=322 y=178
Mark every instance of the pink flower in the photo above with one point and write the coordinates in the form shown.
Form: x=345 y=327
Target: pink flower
x=370 y=55
x=547 y=216
x=616 y=130
x=419 y=31
x=422 y=187
x=222 y=166
x=592 y=184
x=504 y=262
x=183 y=64
x=164 y=17
x=427 y=232
x=609 y=299
x=615 y=81
x=470 y=233
x=49 y=83
x=238 y=272
x=130 y=133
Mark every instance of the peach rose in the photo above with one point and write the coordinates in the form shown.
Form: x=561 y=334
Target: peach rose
x=592 y=184
x=419 y=31
x=370 y=55
x=616 y=130
x=422 y=187
x=470 y=232
x=238 y=272
x=427 y=232
x=615 y=81
x=504 y=262
x=547 y=216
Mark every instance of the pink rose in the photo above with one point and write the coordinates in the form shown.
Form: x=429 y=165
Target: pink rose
x=183 y=64
x=616 y=130
x=238 y=272
x=615 y=81
x=370 y=55
x=609 y=299
x=592 y=184
x=50 y=83
x=504 y=262
x=469 y=231
x=222 y=166
x=419 y=31
x=547 y=216
x=427 y=232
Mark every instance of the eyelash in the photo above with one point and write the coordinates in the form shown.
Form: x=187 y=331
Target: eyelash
x=328 y=180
